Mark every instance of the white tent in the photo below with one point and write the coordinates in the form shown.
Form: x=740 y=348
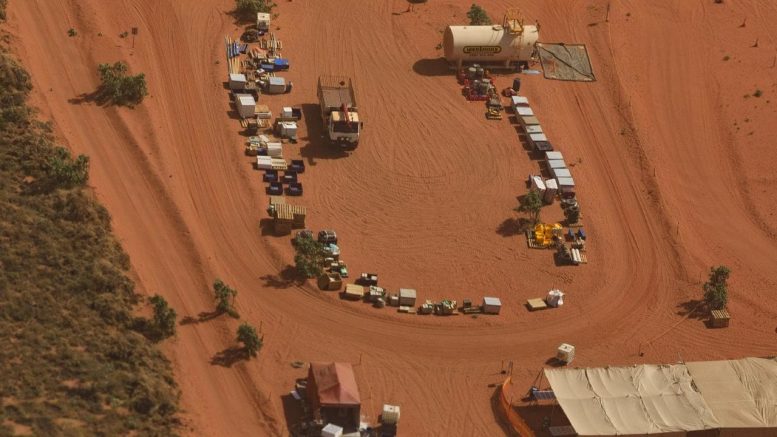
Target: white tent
x=739 y=396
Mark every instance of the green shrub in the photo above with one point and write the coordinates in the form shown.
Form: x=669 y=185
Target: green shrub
x=247 y=335
x=65 y=301
x=716 y=288
x=249 y=8
x=531 y=205
x=225 y=298
x=164 y=317
x=478 y=16
x=119 y=87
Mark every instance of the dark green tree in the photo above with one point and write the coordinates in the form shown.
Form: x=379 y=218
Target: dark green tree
x=225 y=298
x=164 y=317
x=119 y=87
x=531 y=204
x=716 y=288
x=249 y=8
x=478 y=16
x=247 y=335
x=309 y=258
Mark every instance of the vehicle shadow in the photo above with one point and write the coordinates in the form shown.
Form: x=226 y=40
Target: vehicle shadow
x=317 y=146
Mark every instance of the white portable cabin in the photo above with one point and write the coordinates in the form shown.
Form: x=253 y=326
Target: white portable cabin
x=275 y=149
x=263 y=21
x=237 y=81
x=523 y=111
x=561 y=173
x=566 y=185
x=533 y=129
x=535 y=138
x=276 y=85
x=556 y=163
x=246 y=105
x=288 y=129
x=537 y=184
x=549 y=156
x=491 y=305
x=551 y=188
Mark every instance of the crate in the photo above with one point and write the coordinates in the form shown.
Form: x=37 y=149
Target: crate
x=719 y=318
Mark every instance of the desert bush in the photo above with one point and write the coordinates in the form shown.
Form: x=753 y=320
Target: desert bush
x=478 y=16
x=225 y=298
x=531 y=205
x=65 y=300
x=716 y=288
x=164 y=317
x=247 y=335
x=249 y=8
x=119 y=87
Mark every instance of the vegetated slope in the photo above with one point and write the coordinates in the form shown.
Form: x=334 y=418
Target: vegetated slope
x=420 y=201
x=70 y=362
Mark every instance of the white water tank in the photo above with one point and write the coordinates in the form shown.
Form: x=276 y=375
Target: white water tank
x=491 y=43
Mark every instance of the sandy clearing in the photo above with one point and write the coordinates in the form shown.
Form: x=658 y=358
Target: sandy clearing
x=421 y=200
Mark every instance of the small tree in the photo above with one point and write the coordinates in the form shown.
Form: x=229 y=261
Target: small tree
x=310 y=257
x=247 y=335
x=531 y=204
x=249 y=8
x=119 y=87
x=225 y=298
x=164 y=317
x=716 y=288
x=478 y=16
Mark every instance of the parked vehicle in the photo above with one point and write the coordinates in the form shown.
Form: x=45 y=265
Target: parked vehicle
x=339 y=111
x=327 y=236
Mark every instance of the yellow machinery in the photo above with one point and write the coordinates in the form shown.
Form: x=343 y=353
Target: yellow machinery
x=513 y=21
x=545 y=234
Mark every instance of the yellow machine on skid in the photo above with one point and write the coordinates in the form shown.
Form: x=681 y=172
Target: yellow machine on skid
x=545 y=235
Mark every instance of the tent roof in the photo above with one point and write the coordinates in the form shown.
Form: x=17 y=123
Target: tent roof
x=336 y=383
x=651 y=399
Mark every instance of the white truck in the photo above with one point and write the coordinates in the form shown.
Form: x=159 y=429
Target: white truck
x=339 y=112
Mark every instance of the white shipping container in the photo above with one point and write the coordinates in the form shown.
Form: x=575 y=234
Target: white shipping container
x=246 y=105
x=553 y=155
x=538 y=184
x=332 y=430
x=275 y=150
x=561 y=173
x=237 y=81
x=491 y=305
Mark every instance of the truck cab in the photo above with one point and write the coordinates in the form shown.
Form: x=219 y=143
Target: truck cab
x=344 y=128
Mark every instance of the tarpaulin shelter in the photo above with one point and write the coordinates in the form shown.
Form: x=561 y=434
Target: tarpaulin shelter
x=726 y=398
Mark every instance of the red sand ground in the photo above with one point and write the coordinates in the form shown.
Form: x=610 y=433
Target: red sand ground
x=673 y=166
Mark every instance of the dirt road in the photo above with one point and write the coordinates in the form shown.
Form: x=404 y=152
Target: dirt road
x=672 y=164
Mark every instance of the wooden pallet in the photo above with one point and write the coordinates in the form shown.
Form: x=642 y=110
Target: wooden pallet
x=532 y=243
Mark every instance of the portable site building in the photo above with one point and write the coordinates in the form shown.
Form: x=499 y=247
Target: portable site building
x=537 y=138
x=561 y=173
x=237 y=81
x=263 y=21
x=523 y=111
x=407 y=297
x=276 y=85
x=246 y=105
x=566 y=186
x=533 y=129
x=528 y=120
x=556 y=163
x=275 y=149
x=537 y=184
x=263 y=112
x=551 y=188
x=491 y=305
x=518 y=100
x=550 y=156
